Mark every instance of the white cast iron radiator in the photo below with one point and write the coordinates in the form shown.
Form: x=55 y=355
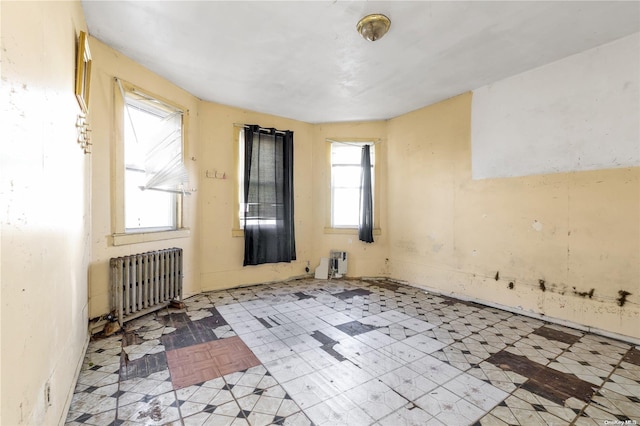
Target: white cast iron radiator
x=145 y=282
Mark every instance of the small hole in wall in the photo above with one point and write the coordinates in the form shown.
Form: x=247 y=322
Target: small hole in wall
x=497 y=277
x=510 y=286
x=542 y=286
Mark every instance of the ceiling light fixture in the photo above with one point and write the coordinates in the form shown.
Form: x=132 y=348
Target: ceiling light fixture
x=372 y=27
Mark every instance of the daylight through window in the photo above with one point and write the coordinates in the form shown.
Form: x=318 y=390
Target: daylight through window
x=345 y=183
x=154 y=171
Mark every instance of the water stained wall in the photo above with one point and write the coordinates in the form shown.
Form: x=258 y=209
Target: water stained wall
x=575 y=231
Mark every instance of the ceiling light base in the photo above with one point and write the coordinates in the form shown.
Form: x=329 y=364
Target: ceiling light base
x=373 y=27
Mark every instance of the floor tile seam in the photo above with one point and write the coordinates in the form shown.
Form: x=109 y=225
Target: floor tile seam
x=587 y=404
x=175 y=394
x=570 y=422
x=520 y=386
x=599 y=388
x=230 y=385
x=462 y=397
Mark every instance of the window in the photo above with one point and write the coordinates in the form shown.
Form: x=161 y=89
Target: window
x=345 y=183
x=258 y=213
x=266 y=198
x=149 y=167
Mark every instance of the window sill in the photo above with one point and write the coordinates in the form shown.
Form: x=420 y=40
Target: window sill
x=145 y=237
x=237 y=232
x=348 y=231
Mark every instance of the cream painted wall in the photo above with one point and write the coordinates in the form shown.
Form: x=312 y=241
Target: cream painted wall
x=364 y=260
x=576 y=231
x=107 y=65
x=45 y=218
x=221 y=252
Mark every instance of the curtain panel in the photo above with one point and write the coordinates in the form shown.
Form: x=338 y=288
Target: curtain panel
x=269 y=234
x=365 y=226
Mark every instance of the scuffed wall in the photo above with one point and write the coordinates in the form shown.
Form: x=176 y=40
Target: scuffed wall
x=45 y=217
x=563 y=245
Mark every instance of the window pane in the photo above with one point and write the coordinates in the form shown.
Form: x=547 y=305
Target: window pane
x=345 y=154
x=345 y=183
x=146 y=209
x=266 y=206
x=346 y=176
x=342 y=153
x=346 y=207
x=149 y=208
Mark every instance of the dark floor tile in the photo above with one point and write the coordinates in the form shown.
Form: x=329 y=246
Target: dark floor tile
x=552 y=384
x=189 y=334
x=143 y=367
x=449 y=301
x=131 y=338
x=354 y=328
x=557 y=386
x=264 y=322
x=632 y=356
x=83 y=418
x=176 y=320
x=327 y=345
x=559 y=336
x=387 y=285
x=329 y=349
x=215 y=320
x=301 y=296
x=349 y=294
x=516 y=363
x=323 y=338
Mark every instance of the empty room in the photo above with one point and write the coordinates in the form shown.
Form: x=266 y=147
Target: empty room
x=320 y=213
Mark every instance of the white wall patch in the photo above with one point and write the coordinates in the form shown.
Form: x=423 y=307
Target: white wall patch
x=579 y=113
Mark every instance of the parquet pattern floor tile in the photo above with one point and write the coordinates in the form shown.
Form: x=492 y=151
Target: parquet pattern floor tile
x=206 y=361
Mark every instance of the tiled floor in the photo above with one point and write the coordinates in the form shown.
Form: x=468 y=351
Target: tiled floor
x=352 y=353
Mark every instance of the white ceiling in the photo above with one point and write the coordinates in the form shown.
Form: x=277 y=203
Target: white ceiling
x=304 y=59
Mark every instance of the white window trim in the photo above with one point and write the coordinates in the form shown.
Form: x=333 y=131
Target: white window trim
x=237 y=230
x=120 y=235
x=329 y=228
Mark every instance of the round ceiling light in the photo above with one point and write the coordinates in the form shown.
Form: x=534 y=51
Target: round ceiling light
x=372 y=27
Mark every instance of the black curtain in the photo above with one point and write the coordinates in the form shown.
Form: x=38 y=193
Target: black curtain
x=269 y=235
x=365 y=226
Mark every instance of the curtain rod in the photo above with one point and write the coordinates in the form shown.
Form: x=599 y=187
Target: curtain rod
x=260 y=128
x=133 y=89
x=355 y=143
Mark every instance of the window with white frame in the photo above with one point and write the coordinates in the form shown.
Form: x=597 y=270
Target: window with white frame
x=345 y=182
x=153 y=162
